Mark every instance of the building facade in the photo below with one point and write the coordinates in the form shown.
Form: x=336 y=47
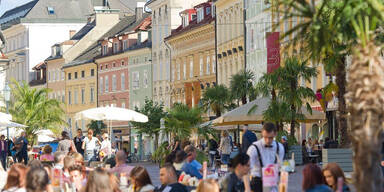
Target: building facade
x=193 y=65
x=165 y=17
x=230 y=39
x=40 y=79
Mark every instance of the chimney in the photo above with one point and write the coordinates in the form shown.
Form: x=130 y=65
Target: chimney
x=139 y=13
x=71 y=33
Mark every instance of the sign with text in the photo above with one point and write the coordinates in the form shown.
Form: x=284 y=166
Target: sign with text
x=273 y=51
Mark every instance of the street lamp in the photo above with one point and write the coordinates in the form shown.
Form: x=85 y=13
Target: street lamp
x=7 y=98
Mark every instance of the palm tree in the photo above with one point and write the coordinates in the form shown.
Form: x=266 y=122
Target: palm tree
x=32 y=108
x=290 y=90
x=326 y=38
x=216 y=98
x=181 y=120
x=365 y=93
x=241 y=85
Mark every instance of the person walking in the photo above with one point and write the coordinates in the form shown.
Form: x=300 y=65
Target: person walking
x=284 y=141
x=106 y=147
x=263 y=153
x=66 y=144
x=248 y=138
x=3 y=151
x=22 y=148
x=225 y=147
x=212 y=146
x=89 y=146
x=78 y=140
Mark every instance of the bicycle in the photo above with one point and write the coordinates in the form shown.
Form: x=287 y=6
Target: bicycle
x=132 y=158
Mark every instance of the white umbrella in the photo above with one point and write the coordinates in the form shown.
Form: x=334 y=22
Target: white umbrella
x=5 y=117
x=111 y=114
x=11 y=124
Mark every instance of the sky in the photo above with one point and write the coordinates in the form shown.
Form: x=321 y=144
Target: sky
x=5 y=5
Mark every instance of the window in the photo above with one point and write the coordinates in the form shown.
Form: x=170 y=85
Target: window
x=122 y=81
x=82 y=74
x=185 y=70
x=75 y=97
x=62 y=75
x=191 y=68
x=122 y=104
x=135 y=80
x=106 y=84
x=115 y=47
x=49 y=76
x=101 y=85
x=53 y=76
x=82 y=96
x=113 y=64
x=69 y=76
x=178 y=71
x=208 y=65
x=125 y=44
x=105 y=49
x=92 y=72
x=50 y=10
x=75 y=75
x=200 y=14
x=145 y=81
x=122 y=62
x=201 y=66
x=63 y=96
x=165 y=9
x=70 y=122
x=92 y=92
x=208 y=10
x=113 y=82
x=69 y=98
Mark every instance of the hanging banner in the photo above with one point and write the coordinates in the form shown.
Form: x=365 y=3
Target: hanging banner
x=273 y=51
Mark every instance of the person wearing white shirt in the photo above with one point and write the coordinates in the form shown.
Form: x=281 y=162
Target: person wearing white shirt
x=90 y=145
x=263 y=153
x=106 y=146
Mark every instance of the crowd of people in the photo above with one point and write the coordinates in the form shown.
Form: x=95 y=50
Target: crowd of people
x=68 y=169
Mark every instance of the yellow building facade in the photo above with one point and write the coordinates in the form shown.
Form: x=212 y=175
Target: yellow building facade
x=80 y=91
x=193 y=66
x=230 y=39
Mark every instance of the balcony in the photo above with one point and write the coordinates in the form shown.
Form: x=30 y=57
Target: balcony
x=37 y=82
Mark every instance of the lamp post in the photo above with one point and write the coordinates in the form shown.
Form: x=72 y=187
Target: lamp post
x=7 y=98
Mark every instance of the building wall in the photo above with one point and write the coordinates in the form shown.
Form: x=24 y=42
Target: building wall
x=165 y=17
x=140 y=85
x=56 y=79
x=74 y=87
x=230 y=36
x=26 y=39
x=108 y=67
x=196 y=47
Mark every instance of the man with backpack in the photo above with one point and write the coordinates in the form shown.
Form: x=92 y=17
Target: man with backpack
x=263 y=153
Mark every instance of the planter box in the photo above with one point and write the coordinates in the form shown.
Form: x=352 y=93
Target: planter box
x=343 y=157
x=297 y=150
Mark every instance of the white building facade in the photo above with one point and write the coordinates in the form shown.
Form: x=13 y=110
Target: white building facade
x=165 y=17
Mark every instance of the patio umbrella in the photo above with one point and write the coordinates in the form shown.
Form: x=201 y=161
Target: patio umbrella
x=4 y=117
x=240 y=115
x=111 y=114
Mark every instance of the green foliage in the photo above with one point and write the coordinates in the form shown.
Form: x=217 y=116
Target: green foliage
x=291 y=139
x=181 y=120
x=161 y=152
x=241 y=85
x=154 y=111
x=216 y=98
x=206 y=132
x=96 y=126
x=201 y=156
x=33 y=108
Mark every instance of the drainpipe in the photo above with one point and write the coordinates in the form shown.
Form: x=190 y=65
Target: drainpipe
x=216 y=59
x=170 y=68
x=245 y=34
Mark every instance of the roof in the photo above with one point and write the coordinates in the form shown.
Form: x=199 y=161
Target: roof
x=126 y=7
x=48 y=11
x=17 y=12
x=144 y=25
x=133 y=26
x=41 y=65
x=83 y=31
x=192 y=25
x=149 y=2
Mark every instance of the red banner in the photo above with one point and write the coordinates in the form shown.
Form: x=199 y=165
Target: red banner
x=273 y=51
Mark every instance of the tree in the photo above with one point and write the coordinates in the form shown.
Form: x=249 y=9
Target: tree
x=96 y=126
x=241 y=85
x=216 y=98
x=181 y=120
x=290 y=90
x=33 y=108
x=326 y=36
x=365 y=93
x=154 y=111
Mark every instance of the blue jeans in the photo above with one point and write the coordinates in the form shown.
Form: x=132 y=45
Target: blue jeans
x=224 y=158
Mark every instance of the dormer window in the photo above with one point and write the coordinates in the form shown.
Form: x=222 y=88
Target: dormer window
x=115 y=47
x=50 y=10
x=185 y=20
x=200 y=14
x=208 y=10
x=105 y=49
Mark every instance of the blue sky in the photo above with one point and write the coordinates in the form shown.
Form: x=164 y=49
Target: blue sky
x=9 y=4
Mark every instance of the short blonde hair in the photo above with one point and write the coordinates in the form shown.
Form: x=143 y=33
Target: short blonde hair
x=208 y=185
